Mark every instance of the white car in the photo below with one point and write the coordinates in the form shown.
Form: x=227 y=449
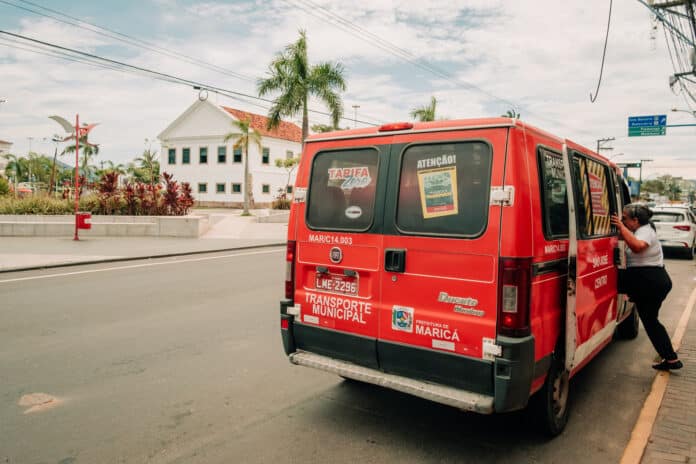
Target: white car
x=676 y=229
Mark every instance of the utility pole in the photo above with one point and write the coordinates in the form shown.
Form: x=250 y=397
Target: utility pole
x=604 y=140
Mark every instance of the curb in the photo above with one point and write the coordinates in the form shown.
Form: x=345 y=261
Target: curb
x=135 y=258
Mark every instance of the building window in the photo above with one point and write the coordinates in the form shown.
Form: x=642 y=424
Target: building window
x=237 y=154
x=202 y=188
x=266 y=156
x=265 y=188
x=289 y=188
x=236 y=188
x=172 y=156
x=220 y=188
x=203 y=155
x=222 y=154
x=186 y=156
x=289 y=154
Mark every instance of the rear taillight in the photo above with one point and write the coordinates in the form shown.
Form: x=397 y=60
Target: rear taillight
x=514 y=284
x=684 y=228
x=290 y=270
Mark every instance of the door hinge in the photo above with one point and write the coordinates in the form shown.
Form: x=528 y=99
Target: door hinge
x=502 y=196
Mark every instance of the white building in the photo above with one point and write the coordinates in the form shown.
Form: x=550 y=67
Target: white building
x=4 y=148
x=193 y=151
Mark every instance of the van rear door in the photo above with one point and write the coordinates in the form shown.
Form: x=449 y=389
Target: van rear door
x=338 y=250
x=441 y=245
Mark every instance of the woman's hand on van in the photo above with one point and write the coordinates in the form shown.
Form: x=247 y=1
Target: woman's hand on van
x=616 y=221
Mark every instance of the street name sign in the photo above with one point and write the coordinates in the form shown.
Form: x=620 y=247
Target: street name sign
x=641 y=126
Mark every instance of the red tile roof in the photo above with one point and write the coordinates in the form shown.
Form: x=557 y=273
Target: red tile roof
x=285 y=130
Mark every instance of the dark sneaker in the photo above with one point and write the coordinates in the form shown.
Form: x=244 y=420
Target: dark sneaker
x=668 y=366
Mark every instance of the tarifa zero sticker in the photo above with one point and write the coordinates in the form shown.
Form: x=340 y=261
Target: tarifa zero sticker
x=355 y=177
x=402 y=318
x=353 y=212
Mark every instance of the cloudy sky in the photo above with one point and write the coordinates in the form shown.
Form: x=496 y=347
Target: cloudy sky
x=477 y=57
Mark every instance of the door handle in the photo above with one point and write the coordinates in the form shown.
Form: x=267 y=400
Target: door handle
x=395 y=260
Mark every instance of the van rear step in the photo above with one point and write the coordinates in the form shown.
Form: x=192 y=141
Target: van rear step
x=461 y=399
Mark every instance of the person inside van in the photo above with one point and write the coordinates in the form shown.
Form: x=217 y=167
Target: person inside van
x=646 y=280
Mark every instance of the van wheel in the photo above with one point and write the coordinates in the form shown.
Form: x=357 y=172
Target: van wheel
x=550 y=404
x=628 y=328
x=689 y=253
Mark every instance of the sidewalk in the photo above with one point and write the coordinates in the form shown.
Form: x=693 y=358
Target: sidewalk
x=229 y=230
x=673 y=437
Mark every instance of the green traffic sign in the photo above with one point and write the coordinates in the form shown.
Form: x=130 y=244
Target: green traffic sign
x=646 y=131
x=628 y=165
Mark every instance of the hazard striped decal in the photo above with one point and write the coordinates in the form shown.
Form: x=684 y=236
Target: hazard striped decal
x=595 y=197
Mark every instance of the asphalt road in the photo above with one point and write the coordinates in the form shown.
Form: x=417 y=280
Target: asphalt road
x=180 y=361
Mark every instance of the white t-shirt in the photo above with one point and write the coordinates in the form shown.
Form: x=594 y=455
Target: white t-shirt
x=651 y=256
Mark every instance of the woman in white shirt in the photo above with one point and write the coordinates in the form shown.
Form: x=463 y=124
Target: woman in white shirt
x=647 y=281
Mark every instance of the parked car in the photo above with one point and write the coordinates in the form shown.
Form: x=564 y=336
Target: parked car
x=676 y=229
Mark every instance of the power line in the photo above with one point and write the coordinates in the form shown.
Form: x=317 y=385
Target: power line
x=133 y=41
x=157 y=74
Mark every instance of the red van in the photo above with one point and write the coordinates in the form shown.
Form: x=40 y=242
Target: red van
x=468 y=262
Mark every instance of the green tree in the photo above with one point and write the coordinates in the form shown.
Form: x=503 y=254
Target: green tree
x=511 y=113
x=425 y=112
x=296 y=80
x=326 y=128
x=17 y=167
x=88 y=152
x=4 y=187
x=242 y=136
x=149 y=163
x=289 y=164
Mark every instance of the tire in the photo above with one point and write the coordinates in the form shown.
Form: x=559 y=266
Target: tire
x=628 y=328
x=550 y=405
x=689 y=254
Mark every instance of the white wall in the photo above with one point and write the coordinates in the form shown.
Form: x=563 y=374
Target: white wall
x=205 y=126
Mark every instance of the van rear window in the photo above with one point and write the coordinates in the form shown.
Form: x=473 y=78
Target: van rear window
x=342 y=190
x=444 y=188
x=668 y=217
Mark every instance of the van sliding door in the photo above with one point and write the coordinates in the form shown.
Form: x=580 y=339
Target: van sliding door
x=591 y=295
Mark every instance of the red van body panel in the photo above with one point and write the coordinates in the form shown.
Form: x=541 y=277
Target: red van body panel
x=435 y=317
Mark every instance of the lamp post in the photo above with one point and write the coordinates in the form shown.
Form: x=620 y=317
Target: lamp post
x=691 y=112
x=640 y=175
x=355 y=115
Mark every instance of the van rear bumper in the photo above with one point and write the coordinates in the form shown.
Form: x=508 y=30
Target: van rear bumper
x=455 y=397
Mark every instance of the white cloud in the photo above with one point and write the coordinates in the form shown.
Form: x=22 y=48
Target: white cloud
x=543 y=58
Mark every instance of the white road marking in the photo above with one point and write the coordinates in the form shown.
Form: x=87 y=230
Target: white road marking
x=135 y=266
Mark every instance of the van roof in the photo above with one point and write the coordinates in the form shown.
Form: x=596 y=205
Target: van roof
x=436 y=126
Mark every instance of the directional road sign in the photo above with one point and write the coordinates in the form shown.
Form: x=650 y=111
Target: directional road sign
x=645 y=131
x=647 y=125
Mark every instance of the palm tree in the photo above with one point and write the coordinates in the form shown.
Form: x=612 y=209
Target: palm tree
x=88 y=151
x=243 y=135
x=426 y=112
x=511 y=113
x=148 y=162
x=296 y=80
x=16 y=165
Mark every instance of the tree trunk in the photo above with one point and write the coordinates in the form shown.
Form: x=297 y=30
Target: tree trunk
x=305 y=123
x=53 y=172
x=246 y=179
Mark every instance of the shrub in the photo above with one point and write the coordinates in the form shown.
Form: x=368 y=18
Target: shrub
x=134 y=199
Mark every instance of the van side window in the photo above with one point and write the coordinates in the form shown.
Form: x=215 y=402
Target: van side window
x=593 y=199
x=554 y=199
x=342 y=189
x=444 y=189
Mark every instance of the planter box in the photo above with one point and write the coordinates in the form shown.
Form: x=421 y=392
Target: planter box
x=104 y=226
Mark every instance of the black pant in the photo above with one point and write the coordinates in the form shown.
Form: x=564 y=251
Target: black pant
x=648 y=287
